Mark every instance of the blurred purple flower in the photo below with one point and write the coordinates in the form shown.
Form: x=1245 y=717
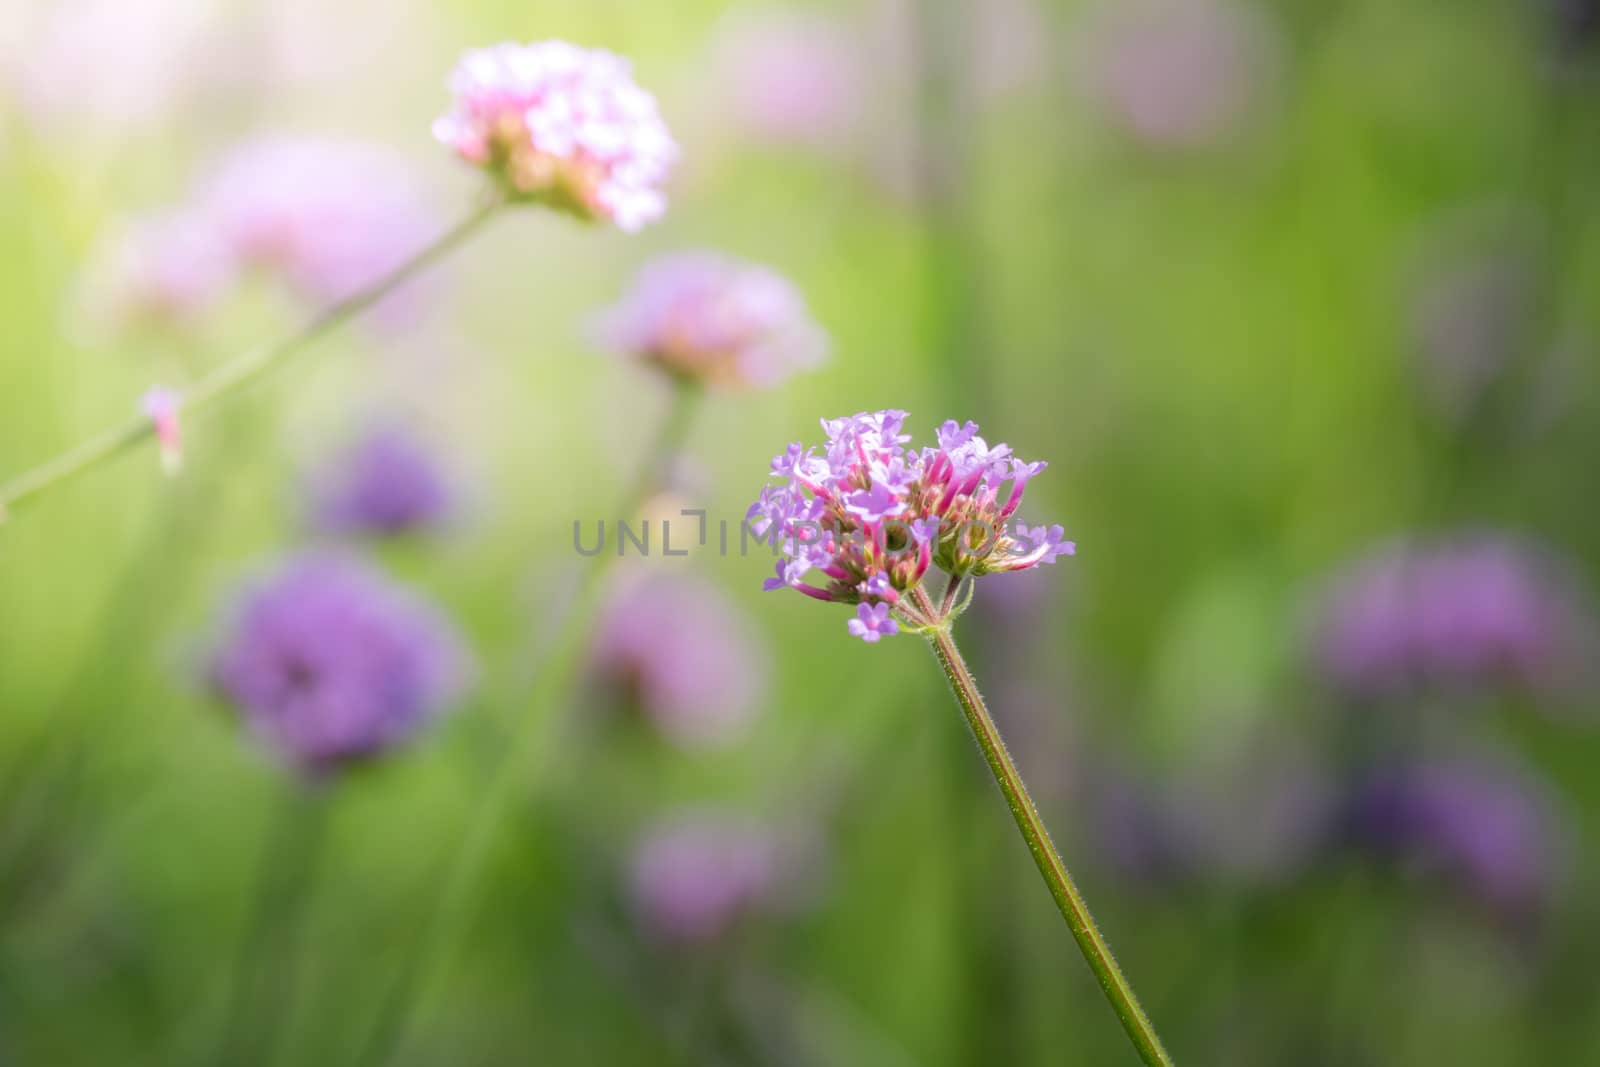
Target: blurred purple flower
x=385 y=483
x=332 y=663
x=696 y=875
x=1458 y=615
x=332 y=217
x=685 y=654
x=562 y=126
x=1178 y=73
x=1129 y=823
x=1258 y=816
x=715 y=318
x=161 y=271
x=1479 y=829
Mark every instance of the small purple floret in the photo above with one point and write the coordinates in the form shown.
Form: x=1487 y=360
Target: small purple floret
x=872 y=623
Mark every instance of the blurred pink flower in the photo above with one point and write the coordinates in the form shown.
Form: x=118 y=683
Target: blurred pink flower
x=96 y=67
x=792 y=76
x=161 y=271
x=331 y=216
x=1177 y=73
x=851 y=84
x=697 y=874
x=685 y=654
x=715 y=318
x=1004 y=44
x=563 y=126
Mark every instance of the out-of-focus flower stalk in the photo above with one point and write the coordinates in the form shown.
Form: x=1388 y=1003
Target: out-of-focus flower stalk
x=268 y=956
x=236 y=374
x=935 y=626
x=525 y=756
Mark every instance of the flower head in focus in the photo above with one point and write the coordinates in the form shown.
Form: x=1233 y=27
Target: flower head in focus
x=331 y=663
x=684 y=654
x=384 y=484
x=713 y=318
x=562 y=126
x=1462 y=615
x=331 y=217
x=697 y=874
x=871 y=516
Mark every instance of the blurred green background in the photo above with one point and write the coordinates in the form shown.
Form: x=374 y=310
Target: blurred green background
x=1222 y=265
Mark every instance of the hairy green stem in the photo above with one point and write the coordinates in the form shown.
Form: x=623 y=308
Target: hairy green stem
x=1051 y=866
x=525 y=755
x=234 y=375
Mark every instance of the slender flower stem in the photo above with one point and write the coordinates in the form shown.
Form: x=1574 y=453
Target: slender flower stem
x=525 y=755
x=948 y=601
x=236 y=374
x=1051 y=866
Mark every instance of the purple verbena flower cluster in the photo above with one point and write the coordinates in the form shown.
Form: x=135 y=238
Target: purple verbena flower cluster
x=872 y=515
x=563 y=126
x=331 y=663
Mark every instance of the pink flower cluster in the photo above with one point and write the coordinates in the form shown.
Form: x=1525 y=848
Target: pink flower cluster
x=563 y=126
x=713 y=318
x=872 y=516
